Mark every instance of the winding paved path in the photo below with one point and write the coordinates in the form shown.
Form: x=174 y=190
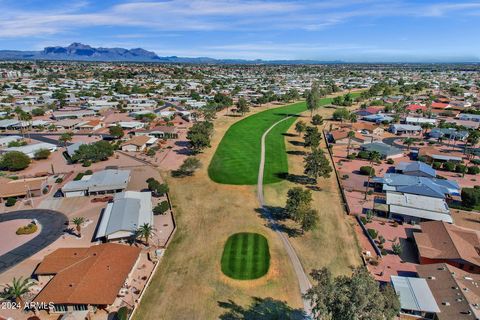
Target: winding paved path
x=303 y=281
x=52 y=223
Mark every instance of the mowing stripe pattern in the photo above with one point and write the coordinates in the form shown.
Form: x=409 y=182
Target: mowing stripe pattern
x=246 y=256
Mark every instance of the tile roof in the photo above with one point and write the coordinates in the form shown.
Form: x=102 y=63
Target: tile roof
x=92 y=275
x=440 y=240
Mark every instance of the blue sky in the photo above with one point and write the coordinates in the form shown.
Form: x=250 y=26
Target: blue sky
x=350 y=30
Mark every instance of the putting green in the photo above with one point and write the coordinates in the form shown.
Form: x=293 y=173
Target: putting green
x=246 y=256
x=237 y=157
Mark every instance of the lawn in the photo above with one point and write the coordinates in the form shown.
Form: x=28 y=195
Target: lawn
x=237 y=158
x=246 y=256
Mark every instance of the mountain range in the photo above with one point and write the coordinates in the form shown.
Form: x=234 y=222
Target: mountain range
x=82 y=52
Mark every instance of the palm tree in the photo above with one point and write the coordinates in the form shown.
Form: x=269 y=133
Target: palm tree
x=17 y=289
x=374 y=156
x=78 y=221
x=65 y=137
x=408 y=142
x=350 y=135
x=145 y=231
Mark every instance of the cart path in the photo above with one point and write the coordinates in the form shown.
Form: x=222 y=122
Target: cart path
x=303 y=281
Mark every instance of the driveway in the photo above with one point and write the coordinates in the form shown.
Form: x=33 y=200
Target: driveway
x=52 y=228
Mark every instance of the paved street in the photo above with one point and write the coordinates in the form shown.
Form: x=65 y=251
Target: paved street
x=52 y=223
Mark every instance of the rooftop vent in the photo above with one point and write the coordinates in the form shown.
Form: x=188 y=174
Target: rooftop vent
x=446 y=303
x=431 y=278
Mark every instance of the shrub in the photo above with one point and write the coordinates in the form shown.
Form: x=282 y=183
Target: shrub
x=363 y=154
x=367 y=171
x=10 y=202
x=436 y=165
x=364 y=220
x=352 y=156
x=461 y=168
x=384 y=252
x=390 y=161
x=397 y=248
x=79 y=176
x=473 y=170
x=88 y=172
x=470 y=197
x=59 y=180
x=42 y=154
x=151 y=152
x=475 y=161
x=449 y=166
x=14 y=161
x=374 y=262
x=161 y=208
x=372 y=233
x=422 y=159
x=345 y=177
x=28 y=229
x=86 y=163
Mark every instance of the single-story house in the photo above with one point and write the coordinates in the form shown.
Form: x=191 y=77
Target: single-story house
x=101 y=182
x=84 y=279
x=162 y=132
x=129 y=125
x=138 y=143
x=441 y=242
x=416 y=298
x=449 y=133
x=417 y=168
x=21 y=188
x=122 y=217
x=470 y=117
x=426 y=186
x=419 y=121
x=456 y=292
x=74 y=114
x=431 y=154
x=341 y=137
x=378 y=118
x=386 y=151
x=4 y=141
x=8 y=124
x=416 y=108
x=404 y=129
x=368 y=111
x=410 y=207
x=31 y=149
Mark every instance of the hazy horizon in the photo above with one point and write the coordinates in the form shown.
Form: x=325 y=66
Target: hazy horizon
x=348 y=30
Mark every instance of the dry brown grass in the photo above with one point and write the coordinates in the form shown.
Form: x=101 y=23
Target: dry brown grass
x=189 y=283
x=333 y=243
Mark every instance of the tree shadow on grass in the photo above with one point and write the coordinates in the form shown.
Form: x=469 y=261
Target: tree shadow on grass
x=286 y=134
x=295 y=178
x=261 y=309
x=296 y=143
x=278 y=218
x=297 y=152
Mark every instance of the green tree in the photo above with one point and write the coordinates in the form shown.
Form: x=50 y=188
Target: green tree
x=66 y=137
x=42 y=154
x=78 y=222
x=161 y=208
x=14 y=161
x=242 y=106
x=188 y=167
x=300 y=127
x=341 y=114
x=116 y=131
x=351 y=297
x=317 y=120
x=199 y=135
x=94 y=152
x=312 y=137
x=313 y=98
x=16 y=290
x=297 y=197
x=317 y=165
x=409 y=142
x=145 y=231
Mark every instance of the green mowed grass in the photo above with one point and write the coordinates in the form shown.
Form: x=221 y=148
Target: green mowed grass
x=237 y=157
x=245 y=256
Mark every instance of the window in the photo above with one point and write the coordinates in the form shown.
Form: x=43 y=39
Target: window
x=60 y=308
x=80 y=307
